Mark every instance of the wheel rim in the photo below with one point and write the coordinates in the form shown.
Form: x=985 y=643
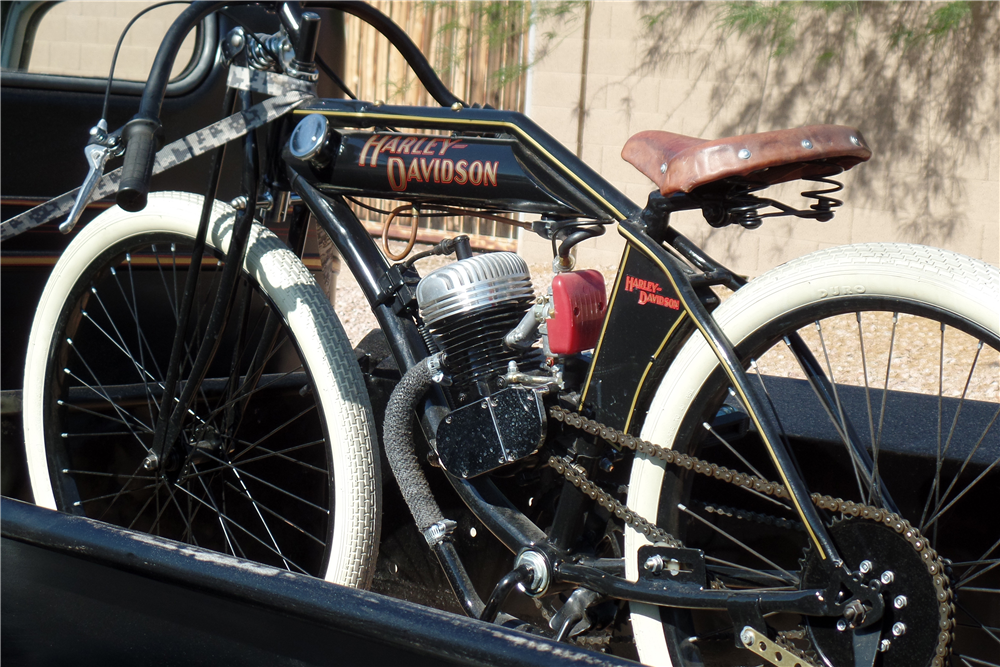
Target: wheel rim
x=252 y=474
x=965 y=372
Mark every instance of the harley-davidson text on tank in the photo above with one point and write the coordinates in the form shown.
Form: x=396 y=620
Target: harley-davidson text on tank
x=429 y=167
x=422 y=159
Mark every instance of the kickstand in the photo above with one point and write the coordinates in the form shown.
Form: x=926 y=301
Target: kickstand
x=572 y=613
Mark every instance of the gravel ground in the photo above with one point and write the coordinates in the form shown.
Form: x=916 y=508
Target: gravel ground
x=922 y=357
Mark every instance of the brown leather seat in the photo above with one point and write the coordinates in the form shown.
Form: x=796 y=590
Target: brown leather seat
x=677 y=163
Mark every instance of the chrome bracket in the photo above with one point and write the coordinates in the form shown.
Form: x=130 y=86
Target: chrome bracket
x=773 y=653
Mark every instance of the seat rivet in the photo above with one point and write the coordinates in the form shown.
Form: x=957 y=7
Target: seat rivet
x=663 y=168
x=855 y=140
x=806 y=143
x=744 y=154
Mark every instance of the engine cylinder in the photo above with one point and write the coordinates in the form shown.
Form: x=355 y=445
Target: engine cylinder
x=469 y=306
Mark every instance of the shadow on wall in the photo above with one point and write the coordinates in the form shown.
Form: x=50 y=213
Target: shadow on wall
x=920 y=79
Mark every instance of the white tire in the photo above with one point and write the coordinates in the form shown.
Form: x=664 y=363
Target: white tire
x=960 y=289
x=340 y=419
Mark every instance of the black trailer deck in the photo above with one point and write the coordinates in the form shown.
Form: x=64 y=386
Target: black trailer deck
x=78 y=592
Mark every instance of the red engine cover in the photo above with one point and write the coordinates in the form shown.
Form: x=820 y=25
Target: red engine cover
x=580 y=301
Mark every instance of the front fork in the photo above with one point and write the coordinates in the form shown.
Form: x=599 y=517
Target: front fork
x=174 y=409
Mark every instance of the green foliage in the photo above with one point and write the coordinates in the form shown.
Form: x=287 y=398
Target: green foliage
x=778 y=23
x=770 y=22
x=653 y=19
x=946 y=19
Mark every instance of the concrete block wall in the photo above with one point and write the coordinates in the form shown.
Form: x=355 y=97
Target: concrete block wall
x=932 y=118
x=77 y=38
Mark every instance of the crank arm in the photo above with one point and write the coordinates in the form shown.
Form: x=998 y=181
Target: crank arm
x=97 y=156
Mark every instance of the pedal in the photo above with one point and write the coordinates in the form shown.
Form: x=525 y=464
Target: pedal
x=682 y=565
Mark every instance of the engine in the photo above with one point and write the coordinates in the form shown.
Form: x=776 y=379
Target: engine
x=468 y=307
x=481 y=312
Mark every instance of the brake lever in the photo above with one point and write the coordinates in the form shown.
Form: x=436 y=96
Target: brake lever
x=101 y=147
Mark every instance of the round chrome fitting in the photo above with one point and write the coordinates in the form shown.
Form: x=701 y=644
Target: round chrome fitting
x=308 y=137
x=539 y=567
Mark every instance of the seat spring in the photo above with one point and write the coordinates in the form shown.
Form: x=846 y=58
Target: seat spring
x=824 y=204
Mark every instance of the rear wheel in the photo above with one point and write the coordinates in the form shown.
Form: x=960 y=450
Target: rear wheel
x=275 y=462
x=909 y=335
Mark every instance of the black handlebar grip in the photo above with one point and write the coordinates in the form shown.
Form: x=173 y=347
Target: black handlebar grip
x=140 y=139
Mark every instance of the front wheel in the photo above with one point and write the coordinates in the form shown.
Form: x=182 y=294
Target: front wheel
x=275 y=462
x=909 y=337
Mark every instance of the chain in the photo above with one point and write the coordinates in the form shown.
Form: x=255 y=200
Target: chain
x=932 y=561
x=578 y=477
x=747 y=515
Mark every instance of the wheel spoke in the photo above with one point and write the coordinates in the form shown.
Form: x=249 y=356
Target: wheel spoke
x=237 y=397
x=972 y=573
x=885 y=387
x=979 y=624
x=263 y=522
x=230 y=466
x=231 y=540
x=104 y=395
x=938 y=511
x=791 y=578
x=283 y=519
x=276 y=429
x=852 y=455
x=269 y=454
x=236 y=524
x=763 y=573
x=936 y=485
x=124 y=347
x=876 y=480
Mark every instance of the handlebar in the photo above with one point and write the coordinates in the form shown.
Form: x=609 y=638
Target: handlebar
x=141 y=134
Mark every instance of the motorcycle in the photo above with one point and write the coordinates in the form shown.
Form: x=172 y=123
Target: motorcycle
x=659 y=491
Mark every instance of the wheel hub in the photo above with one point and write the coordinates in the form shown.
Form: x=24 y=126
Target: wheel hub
x=915 y=626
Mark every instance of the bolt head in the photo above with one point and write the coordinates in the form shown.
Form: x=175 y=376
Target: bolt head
x=865 y=566
x=887 y=577
x=151 y=462
x=654 y=564
x=744 y=154
x=884 y=645
x=807 y=144
x=841 y=625
x=747 y=636
x=898 y=629
x=899 y=602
